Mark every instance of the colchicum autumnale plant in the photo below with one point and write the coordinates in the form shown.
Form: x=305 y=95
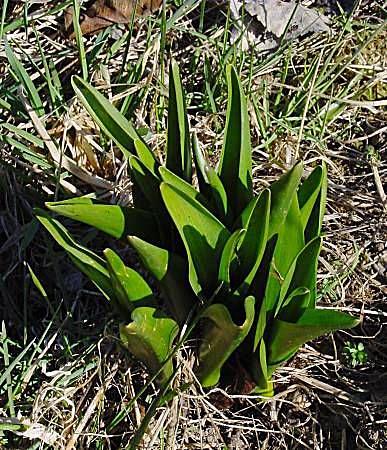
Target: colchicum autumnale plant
x=242 y=267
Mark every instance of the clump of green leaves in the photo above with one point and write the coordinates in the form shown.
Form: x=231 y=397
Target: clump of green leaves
x=241 y=265
x=355 y=355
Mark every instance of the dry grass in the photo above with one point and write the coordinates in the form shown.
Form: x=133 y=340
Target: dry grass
x=74 y=384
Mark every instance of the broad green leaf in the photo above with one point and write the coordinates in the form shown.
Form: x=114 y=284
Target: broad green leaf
x=228 y=255
x=282 y=193
x=200 y=164
x=150 y=338
x=290 y=242
x=150 y=187
x=148 y=183
x=245 y=215
x=218 y=194
x=112 y=122
x=210 y=184
x=146 y=156
x=308 y=192
x=114 y=220
x=314 y=223
x=294 y=305
x=130 y=287
x=259 y=284
x=220 y=337
x=88 y=262
x=107 y=117
x=178 y=183
x=171 y=271
x=24 y=79
x=286 y=337
x=178 y=141
x=235 y=168
x=253 y=243
x=203 y=235
x=303 y=272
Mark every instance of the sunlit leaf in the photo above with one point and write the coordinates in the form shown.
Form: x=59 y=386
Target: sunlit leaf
x=171 y=271
x=150 y=338
x=235 y=167
x=178 y=140
x=203 y=235
x=228 y=254
x=282 y=193
x=130 y=287
x=253 y=244
x=303 y=272
x=87 y=262
x=178 y=183
x=290 y=242
x=220 y=338
x=112 y=122
x=286 y=337
x=114 y=220
x=209 y=183
x=318 y=184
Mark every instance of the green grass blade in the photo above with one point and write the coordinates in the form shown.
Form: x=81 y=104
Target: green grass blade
x=79 y=39
x=24 y=79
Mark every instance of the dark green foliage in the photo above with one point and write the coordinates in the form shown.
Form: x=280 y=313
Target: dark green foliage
x=243 y=266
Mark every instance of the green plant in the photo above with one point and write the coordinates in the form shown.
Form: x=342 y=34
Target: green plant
x=355 y=355
x=243 y=266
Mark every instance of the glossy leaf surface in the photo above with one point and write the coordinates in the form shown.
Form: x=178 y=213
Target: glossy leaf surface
x=114 y=220
x=87 y=262
x=203 y=235
x=253 y=244
x=171 y=271
x=178 y=140
x=235 y=167
x=221 y=336
x=130 y=287
x=150 y=338
x=290 y=242
x=282 y=193
x=228 y=255
x=286 y=337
